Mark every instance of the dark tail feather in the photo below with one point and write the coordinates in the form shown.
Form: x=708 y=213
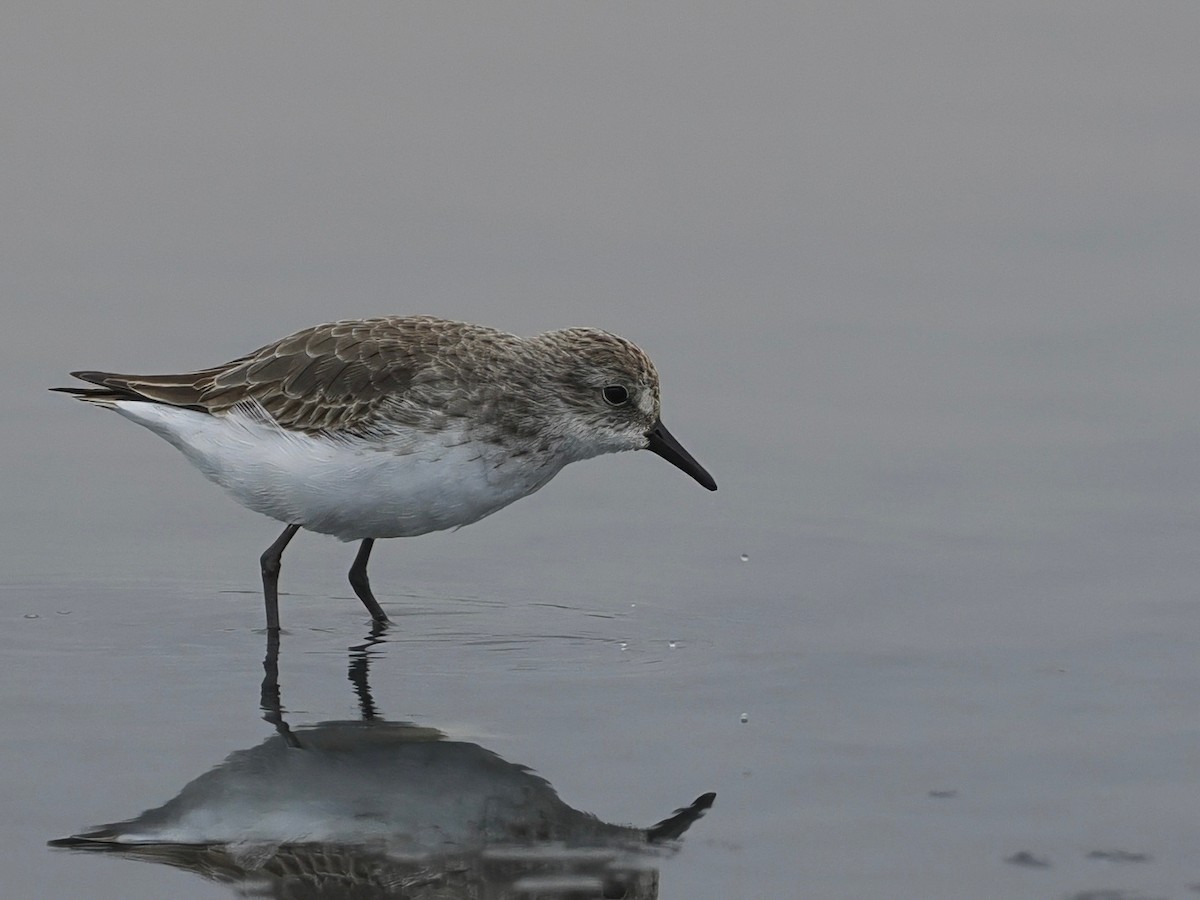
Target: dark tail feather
x=111 y=387
x=175 y=390
x=96 y=395
x=104 y=379
x=96 y=839
x=671 y=828
x=72 y=842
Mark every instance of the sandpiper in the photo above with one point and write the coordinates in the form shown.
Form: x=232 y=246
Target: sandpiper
x=397 y=426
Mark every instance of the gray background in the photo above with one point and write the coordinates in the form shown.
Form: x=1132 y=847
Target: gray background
x=921 y=284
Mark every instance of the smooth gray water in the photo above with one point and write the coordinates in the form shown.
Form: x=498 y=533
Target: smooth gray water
x=920 y=282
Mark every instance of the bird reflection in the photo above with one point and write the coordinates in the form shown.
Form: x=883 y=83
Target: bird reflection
x=369 y=808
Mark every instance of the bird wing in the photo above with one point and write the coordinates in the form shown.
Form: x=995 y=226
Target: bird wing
x=328 y=378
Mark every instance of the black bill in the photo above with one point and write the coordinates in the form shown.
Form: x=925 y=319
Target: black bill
x=672 y=451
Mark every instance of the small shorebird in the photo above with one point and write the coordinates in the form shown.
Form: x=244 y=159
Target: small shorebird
x=397 y=426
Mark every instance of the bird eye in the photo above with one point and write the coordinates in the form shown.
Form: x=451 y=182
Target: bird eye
x=616 y=395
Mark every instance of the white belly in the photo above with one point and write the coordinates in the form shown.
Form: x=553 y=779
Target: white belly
x=411 y=484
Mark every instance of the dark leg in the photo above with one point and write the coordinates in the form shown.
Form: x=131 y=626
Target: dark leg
x=362 y=587
x=270 y=575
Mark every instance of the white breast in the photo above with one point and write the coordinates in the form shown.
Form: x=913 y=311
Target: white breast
x=406 y=484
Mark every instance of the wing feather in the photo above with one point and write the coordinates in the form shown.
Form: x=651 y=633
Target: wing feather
x=329 y=378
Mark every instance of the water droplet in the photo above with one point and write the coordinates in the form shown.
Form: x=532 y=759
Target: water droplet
x=32 y=616
x=745 y=557
x=63 y=612
x=745 y=718
x=633 y=606
x=671 y=644
x=624 y=646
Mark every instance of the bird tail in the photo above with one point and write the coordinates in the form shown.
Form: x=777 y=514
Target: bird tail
x=174 y=390
x=105 y=836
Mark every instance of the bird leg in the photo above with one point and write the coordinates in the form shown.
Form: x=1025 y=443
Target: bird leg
x=362 y=587
x=270 y=575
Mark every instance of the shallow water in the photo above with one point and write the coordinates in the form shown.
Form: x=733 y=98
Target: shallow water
x=921 y=289
x=910 y=757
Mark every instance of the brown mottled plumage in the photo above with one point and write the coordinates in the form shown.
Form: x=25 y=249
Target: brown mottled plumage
x=416 y=371
x=397 y=426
